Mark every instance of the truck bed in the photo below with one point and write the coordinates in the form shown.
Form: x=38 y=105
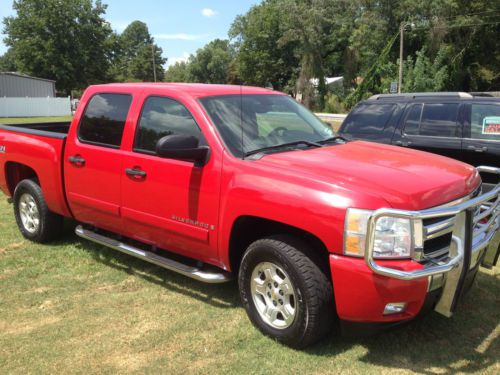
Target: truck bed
x=45 y=129
x=35 y=151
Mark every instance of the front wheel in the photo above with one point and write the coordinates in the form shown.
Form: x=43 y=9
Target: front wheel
x=33 y=217
x=285 y=293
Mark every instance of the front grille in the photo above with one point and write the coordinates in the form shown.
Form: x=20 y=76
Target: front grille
x=438 y=231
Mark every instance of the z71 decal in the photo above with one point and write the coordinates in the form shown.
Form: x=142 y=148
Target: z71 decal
x=2 y=149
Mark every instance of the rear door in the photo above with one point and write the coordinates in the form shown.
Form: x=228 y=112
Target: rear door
x=432 y=127
x=93 y=161
x=481 y=144
x=172 y=204
x=482 y=136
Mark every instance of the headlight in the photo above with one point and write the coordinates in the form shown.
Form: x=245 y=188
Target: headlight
x=393 y=236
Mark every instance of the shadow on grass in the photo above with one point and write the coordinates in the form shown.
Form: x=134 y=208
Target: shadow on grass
x=218 y=295
x=468 y=342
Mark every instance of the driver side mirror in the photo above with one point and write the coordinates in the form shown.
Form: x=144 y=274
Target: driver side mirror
x=183 y=147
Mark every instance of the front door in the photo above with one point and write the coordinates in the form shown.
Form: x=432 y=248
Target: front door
x=92 y=164
x=432 y=127
x=172 y=204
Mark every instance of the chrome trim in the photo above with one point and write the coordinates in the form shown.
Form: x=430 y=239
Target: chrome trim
x=489 y=228
x=170 y=264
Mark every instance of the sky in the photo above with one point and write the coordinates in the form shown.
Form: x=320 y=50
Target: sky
x=179 y=27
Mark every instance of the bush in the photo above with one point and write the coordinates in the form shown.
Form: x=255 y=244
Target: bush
x=333 y=104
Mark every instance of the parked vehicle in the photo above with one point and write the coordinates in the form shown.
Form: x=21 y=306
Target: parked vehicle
x=457 y=125
x=218 y=182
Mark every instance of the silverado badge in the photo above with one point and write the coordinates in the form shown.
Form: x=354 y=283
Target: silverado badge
x=2 y=149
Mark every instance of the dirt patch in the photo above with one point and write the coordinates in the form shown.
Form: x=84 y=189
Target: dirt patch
x=23 y=327
x=10 y=247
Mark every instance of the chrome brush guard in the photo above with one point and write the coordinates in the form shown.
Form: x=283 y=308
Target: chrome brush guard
x=471 y=225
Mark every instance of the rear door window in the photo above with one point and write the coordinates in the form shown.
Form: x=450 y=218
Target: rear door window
x=439 y=120
x=104 y=120
x=485 y=121
x=368 y=118
x=412 y=121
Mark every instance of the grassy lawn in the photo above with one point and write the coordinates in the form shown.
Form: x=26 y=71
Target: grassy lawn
x=27 y=120
x=73 y=306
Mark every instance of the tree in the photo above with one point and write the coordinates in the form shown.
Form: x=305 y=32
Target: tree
x=7 y=62
x=133 y=59
x=178 y=72
x=211 y=63
x=260 y=58
x=60 y=40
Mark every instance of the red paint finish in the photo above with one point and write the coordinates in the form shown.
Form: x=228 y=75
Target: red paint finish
x=191 y=210
x=361 y=295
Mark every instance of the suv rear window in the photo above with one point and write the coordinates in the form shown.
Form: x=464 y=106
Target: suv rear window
x=485 y=121
x=104 y=120
x=368 y=118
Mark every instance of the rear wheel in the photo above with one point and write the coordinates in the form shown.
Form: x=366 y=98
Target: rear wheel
x=285 y=293
x=33 y=217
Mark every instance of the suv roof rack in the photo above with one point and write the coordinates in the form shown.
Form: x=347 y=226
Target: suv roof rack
x=413 y=95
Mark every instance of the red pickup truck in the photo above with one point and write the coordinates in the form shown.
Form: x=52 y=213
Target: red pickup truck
x=219 y=182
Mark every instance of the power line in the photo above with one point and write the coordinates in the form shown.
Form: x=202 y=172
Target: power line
x=455 y=26
x=470 y=14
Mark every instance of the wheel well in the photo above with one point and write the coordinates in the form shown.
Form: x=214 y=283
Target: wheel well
x=248 y=229
x=15 y=173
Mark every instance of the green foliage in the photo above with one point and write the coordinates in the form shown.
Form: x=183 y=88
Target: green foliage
x=211 y=63
x=426 y=75
x=60 y=40
x=333 y=104
x=178 y=72
x=133 y=53
x=262 y=59
x=8 y=62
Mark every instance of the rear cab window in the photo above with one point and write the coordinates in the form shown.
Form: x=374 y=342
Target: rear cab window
x=368 y=118
x=485 y=121
x=433 y=119
x=103 y=121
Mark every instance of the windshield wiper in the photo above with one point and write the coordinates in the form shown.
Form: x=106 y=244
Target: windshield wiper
x=277 y=147
x=332 y=139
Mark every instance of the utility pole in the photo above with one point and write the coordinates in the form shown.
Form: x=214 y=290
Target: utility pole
x=153 y=56
x=401 y=41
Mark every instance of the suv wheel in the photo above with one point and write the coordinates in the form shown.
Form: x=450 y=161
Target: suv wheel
x=285 y=294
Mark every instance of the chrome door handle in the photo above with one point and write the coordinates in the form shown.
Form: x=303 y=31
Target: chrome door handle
x=477 y=149
x=77 y=160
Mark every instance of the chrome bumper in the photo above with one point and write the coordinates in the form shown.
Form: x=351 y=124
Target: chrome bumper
x=473 y=225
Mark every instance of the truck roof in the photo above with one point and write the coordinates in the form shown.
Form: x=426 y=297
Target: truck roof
x=193 y=89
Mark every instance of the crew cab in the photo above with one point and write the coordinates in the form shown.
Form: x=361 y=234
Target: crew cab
x=454 y=124
x=219 y=182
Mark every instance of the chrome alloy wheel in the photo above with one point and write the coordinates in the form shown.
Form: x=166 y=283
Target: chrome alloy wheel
x=28 y=210
x=274 y=295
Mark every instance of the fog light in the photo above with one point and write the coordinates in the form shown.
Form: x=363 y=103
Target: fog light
x=394 y=308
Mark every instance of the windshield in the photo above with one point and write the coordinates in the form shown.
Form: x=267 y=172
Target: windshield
x=248 y=123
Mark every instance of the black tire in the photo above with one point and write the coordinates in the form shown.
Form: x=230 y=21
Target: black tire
x=315 y=312
x=50 y=225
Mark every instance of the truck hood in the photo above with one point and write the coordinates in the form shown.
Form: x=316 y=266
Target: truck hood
x=404 y=178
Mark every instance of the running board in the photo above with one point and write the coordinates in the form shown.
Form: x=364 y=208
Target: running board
x=148 y=256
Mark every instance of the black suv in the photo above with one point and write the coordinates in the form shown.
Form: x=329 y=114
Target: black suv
x=457 y=125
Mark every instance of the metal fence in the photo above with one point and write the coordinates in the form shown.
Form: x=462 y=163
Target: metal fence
x=34 y=107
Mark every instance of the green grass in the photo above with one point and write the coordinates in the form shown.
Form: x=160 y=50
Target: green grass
x=73 y=306
x=29 y=120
